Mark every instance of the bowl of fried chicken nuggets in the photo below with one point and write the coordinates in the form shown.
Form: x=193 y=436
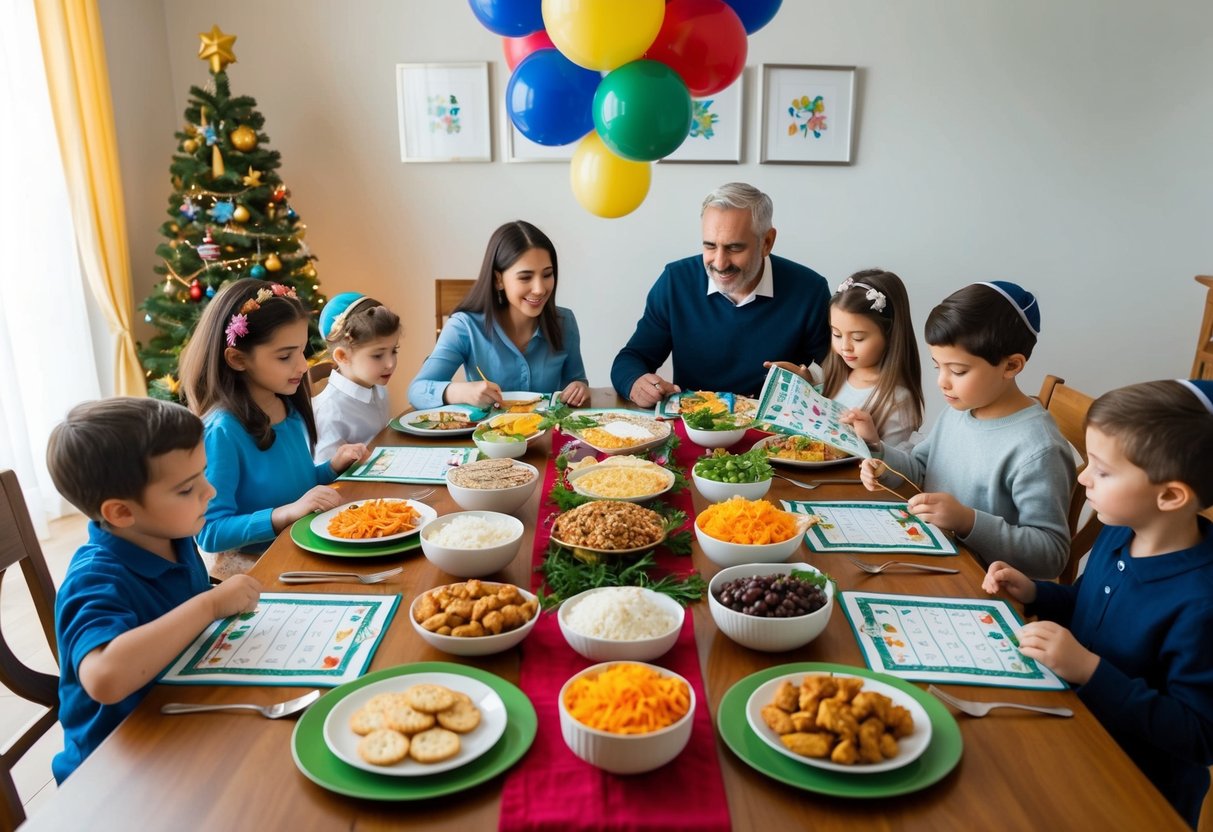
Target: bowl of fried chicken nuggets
x=842 y=723
x=474 y=617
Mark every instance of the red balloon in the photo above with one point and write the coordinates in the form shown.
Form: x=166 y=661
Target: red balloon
x=704 y=41
x=518 y=48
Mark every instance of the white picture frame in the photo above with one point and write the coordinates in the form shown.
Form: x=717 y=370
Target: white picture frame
x=717 y=125
x=516 y=147
x=444 y=112
x=807 y=114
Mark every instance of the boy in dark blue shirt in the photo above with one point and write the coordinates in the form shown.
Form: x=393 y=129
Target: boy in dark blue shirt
x=137 y=593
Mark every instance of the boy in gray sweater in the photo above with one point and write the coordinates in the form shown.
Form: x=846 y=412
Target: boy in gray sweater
x=994 y=469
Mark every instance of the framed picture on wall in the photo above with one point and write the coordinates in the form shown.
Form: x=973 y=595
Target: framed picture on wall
x=518 y=148
x=807 y=114
x=716 y=128
x=444 y=112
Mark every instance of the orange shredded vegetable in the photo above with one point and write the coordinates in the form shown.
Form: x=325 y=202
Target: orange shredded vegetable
x=627 y=699
x=744 y=521
x=374 y=518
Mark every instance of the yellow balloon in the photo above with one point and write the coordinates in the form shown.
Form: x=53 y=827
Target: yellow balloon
x=603 y=34
x=605 y=184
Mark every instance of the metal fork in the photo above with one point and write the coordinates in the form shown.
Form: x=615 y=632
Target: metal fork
x=877 y=568
x=983 y=708
x=809 y=486
x=420 y=495
x=329 y=577
x=276 y=711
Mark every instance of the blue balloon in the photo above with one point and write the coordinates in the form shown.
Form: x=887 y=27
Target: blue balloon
x=754 y=14
x=550 y=99
x=509 y=18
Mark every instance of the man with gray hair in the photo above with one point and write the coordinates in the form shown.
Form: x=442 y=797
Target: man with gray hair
x=723 y=316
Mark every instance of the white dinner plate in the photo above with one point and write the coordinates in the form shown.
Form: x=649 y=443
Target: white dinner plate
x=343 y=742
x=629 y=423
x=408 y=420
x=320 y=523
x=796 y=463
x=909 y=748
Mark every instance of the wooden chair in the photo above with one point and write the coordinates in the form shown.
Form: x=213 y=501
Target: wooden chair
x=448 y=294
x=318 y=375
x=1202 y=364
x=19 y=545
x=1068 y=407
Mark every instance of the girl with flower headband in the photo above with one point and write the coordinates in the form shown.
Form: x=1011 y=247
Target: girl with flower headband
x=244 y=373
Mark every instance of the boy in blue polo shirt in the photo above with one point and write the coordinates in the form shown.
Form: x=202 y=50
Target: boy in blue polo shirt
x=137 y=593
x=1132 y=633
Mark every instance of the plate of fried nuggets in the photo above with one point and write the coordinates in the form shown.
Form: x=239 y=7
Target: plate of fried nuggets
x=841 y=723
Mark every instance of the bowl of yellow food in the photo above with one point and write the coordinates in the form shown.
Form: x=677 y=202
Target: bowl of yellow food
x=627 y=478
x=507 y=435
x=738 y=530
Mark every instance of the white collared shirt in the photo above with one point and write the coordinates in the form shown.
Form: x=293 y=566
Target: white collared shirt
x=347 y=412
x=765 y=287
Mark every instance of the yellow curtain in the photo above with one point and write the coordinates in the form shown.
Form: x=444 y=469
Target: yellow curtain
x=74 y=52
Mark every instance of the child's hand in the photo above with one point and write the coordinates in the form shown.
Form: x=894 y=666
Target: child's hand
x=348 y=455
x=863 y=423
x=799 y=369
x=1002 y=577
x=475 y=393
x=944 y=511
x=317 y=498
x=576 y=394
x=869 y=473
x=1055 y=647
x=239 y=593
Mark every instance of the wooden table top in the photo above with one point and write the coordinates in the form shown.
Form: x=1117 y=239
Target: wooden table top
x=234 y=770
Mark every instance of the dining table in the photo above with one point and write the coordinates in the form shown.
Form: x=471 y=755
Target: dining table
x=234 y=769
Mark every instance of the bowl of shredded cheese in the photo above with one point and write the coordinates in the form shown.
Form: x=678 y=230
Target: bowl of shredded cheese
x=738 y=530
x=628 y=478
x=613 y=623
x=626 y=717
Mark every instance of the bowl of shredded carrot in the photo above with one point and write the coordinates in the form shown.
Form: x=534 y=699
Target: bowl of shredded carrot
x=626 y=717
x=738 y=530
x=372 y=521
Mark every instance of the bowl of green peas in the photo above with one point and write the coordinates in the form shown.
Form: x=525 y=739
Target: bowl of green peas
x=719 y=475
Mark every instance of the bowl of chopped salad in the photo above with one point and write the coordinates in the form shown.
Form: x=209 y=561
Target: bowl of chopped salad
x=720 y=475
x=715 y=430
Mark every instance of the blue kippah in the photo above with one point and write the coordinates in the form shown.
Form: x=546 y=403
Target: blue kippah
x=1203 y=390
x=333 y=315
x=1023 y=301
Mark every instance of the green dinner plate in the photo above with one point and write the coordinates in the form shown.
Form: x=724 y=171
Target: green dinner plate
x=305 y=538
x=940 y=757
x=325 y=769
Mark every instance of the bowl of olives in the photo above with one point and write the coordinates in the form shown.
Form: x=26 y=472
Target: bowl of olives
x=771 y=606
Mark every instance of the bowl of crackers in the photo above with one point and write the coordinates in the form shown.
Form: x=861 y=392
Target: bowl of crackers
x=474 y=617
x=492 y=484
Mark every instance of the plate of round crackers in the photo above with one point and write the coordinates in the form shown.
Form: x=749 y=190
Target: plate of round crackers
x=416 y=725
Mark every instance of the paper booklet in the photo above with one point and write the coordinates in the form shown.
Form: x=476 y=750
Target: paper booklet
x=291 y=639
x=870 y=527
x=958 y=641
x=789 y=404
x=410 y=464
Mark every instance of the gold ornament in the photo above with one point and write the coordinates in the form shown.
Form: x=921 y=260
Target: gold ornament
x=216 y=162
x=243 y=138
x=173 y=227
x=270 y=210
x=217 y=48
x=309 y=272
x=300 y=231
x=253 y=180
x=272 y=263
x=241 y=214
x=177 y=183
x=189 y=145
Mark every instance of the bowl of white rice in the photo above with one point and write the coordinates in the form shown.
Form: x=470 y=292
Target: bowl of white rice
x=616 y=623
x=471 y=544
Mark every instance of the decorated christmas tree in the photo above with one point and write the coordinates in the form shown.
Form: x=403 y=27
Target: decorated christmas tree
x=229 y=217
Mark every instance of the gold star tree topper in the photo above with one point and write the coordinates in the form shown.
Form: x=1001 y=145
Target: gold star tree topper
x=217 y=48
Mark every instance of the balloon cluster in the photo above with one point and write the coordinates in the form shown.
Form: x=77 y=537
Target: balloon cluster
x=617 y=76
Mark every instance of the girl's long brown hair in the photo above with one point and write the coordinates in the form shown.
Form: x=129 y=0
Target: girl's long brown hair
x=899 y=366
x=508 y=243
x=209 y=382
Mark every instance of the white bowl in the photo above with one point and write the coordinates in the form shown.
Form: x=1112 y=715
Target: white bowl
x=506 y=500
x=626 y=753
x=714 y=491
x=609 y=649
x=478 y=645
x=501 y=450
x=714 y=438
x=724 y=553
x=471 y=562
x=772 y=635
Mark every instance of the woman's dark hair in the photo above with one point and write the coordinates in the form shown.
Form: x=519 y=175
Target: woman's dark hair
x=508 y=243
x=210 y=383
x=371 y=320
x=982 y=322
x=899 y=366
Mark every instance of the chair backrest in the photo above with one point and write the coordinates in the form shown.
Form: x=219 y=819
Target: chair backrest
x=19 y=545
x=318 y=375
x=1202 y=362
x=448 y=294
x=1068 y=407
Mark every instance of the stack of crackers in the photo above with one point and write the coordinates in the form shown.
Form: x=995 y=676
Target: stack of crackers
x=394 y=726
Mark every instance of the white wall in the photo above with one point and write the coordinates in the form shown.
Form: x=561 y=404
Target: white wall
x=1062 y=145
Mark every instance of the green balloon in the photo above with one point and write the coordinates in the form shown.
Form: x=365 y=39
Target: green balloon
x=642 y=111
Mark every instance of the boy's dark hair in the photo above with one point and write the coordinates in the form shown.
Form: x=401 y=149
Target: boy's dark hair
x=371 y=320
x=980 y=321
x=102 y=450
x=1163 y=429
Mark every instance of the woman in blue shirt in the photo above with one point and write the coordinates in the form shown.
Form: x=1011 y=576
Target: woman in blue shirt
x=510 y=328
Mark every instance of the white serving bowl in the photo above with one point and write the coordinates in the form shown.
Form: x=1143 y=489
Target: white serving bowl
x=714 y=438
x=723 y=553
x=505 y=500
x=626 y=753
x=479 y=645
x=609 y=649
x=772 y=635
x=500 y=450
x=471 y=562
x=714 y=491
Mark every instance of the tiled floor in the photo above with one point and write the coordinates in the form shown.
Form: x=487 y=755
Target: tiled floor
x=32 y=773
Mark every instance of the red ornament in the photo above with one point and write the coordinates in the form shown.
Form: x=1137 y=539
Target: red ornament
x=209 y=250
x=195 y=290
x=279 y=194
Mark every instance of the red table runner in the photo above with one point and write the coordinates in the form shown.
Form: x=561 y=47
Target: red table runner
x=552 y=789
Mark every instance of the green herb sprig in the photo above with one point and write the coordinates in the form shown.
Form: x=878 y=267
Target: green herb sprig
x=565 y=576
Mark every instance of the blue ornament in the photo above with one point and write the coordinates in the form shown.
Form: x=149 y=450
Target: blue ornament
x=210 y=291
x=210 y=135
x=222 y=211
x=257 y=271
x=290 y=214
x=188 y=209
